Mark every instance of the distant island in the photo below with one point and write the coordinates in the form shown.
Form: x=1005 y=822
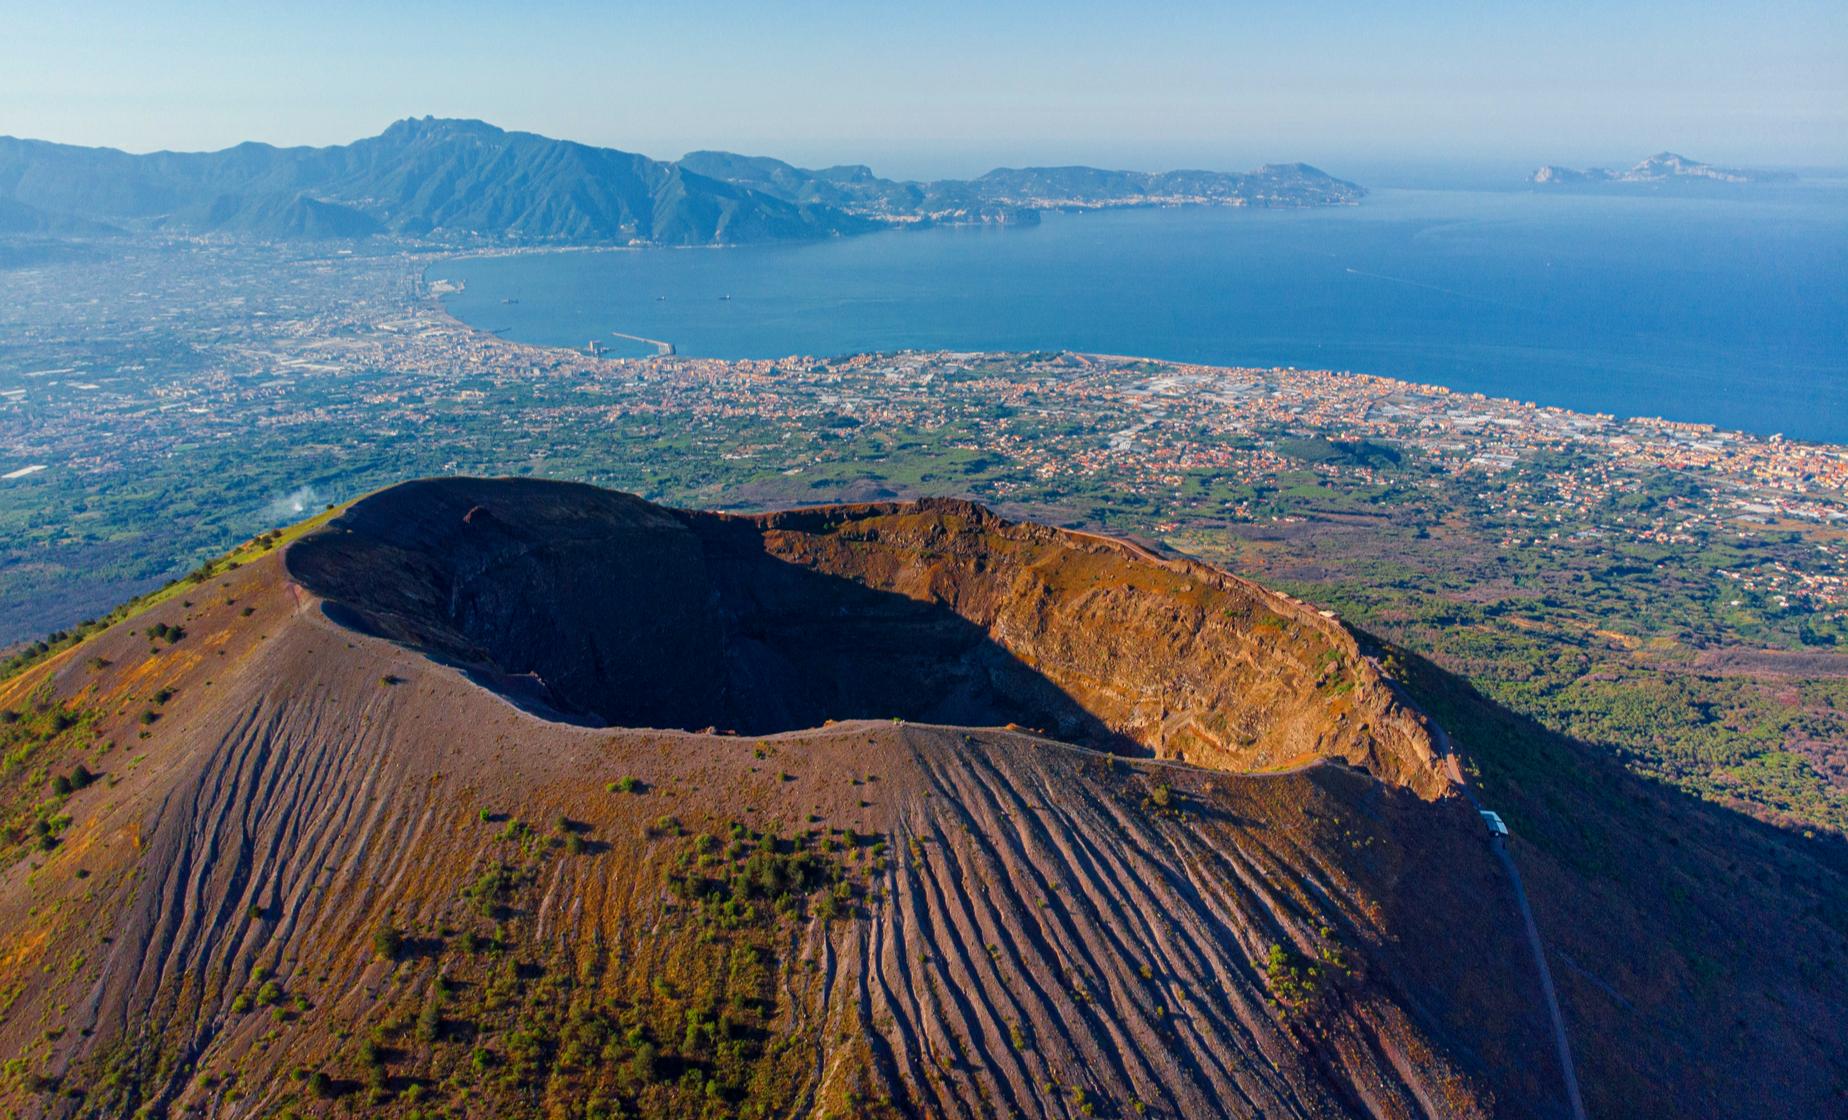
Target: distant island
x=1663 y=167
x=468 y=182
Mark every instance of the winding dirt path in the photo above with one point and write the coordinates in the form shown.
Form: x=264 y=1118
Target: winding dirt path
x=1560 y=1042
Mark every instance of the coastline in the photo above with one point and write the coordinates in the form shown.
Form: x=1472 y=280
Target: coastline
x=1368 y=290
x=1309 y=375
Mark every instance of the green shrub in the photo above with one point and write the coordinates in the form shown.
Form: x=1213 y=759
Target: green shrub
x=1294 y=981
x=387 y=942
x=430 y=1022
x=491 y=888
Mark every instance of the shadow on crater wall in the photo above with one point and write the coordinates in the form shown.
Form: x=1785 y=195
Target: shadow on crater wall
x=611 y=611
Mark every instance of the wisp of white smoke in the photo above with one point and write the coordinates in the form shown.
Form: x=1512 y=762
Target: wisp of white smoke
x=294 y=505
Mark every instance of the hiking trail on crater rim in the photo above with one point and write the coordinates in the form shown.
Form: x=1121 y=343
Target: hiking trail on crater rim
x=509 y=797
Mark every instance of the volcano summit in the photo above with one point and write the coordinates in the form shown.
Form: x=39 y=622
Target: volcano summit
x=509 y=798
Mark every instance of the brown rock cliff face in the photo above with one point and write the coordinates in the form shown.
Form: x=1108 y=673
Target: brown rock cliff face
x=1187 y=662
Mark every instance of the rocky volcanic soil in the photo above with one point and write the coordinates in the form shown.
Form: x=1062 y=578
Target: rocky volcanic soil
x=382 y=831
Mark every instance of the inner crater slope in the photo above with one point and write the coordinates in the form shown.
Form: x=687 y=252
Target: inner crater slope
x=599 y=608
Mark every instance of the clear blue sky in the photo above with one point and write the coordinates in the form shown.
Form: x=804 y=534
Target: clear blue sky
x=953 y=87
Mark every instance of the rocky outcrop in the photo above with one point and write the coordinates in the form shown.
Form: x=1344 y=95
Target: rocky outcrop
x=1182 y=660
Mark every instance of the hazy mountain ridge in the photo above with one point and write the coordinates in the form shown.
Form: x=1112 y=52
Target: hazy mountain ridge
x=443 y=179
x=1660 y=168
x=468 y=181
x=1017 y=194
x=17 y=217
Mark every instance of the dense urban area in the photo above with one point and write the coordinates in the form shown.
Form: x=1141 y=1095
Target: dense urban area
x=1673 y=593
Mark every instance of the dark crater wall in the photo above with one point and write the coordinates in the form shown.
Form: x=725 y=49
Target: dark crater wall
x=611 y=610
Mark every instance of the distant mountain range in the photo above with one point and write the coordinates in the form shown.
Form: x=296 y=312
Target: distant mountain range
x=1009 y=194
x=1663 y=167
x=468 y=181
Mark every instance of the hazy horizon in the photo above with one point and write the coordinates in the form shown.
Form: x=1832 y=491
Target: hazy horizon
x=957 y=91
x=1372 y=168
x=500 y=627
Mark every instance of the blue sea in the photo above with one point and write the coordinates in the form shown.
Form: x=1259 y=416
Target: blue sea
x=1728 y=308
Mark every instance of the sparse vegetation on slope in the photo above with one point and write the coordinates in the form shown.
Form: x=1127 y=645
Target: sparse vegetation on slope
x=46 y=745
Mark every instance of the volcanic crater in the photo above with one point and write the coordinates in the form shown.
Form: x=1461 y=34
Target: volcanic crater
x=750 y=839
x=596 y=607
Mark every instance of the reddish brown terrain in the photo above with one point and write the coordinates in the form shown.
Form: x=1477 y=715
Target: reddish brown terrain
x=509 y=798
